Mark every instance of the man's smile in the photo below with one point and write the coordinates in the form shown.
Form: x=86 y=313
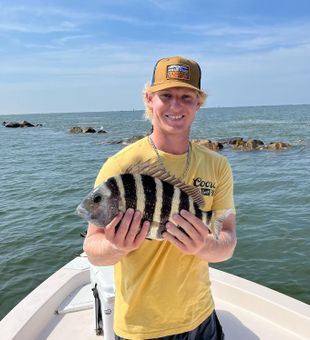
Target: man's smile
x=174 y=117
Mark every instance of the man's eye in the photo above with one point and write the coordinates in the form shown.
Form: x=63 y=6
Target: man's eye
x=187 y=98
x=166 y=95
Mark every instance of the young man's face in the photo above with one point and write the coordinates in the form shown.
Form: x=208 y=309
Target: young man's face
x=174 y=109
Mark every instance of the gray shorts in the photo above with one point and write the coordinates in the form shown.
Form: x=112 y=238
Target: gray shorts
x=210 y=329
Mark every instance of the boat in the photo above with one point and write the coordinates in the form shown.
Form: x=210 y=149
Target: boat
x=64 y=307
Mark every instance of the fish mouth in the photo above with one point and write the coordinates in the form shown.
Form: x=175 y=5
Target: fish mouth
x=81 y=211
x=86 y=214
x=89 y=216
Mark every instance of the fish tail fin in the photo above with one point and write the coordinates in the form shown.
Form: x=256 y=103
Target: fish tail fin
x=217 y=220
x=217 y=227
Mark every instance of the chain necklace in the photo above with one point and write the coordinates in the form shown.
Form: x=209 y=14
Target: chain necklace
x=188 y=160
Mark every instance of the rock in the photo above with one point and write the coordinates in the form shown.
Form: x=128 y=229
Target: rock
x=249 y=145
x=88 y=130
x=21 y=124
x=201 y=141
x=254 y=144
x=116 y=142
x=278 y=146
x=209 y=144
x=24 y=123
x=230 y=141
x=124 y=141
x=133 y=139
x=11 y=124
x=76 y=129
x=235 y=140
x=239 y=144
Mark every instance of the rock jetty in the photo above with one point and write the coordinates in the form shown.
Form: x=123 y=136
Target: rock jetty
x=77 y=129
x=235 y=143
x=241 y=144
x=21 y=124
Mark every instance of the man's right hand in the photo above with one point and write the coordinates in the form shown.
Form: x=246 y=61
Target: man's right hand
x=124 y=232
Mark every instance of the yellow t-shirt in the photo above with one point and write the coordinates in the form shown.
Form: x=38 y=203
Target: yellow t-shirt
x=161 y=291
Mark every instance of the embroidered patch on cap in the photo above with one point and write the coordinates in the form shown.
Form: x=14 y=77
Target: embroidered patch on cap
x=178 y=71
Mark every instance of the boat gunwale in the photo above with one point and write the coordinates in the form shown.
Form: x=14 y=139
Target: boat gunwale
x=31 y=315
x=280 y=309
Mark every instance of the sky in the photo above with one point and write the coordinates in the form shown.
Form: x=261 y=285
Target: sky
x=97 y=55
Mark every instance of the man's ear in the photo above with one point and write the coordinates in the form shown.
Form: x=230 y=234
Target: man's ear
x=149 y=99
x=198 y=106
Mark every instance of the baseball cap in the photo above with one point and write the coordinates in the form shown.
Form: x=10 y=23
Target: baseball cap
x=176 y=72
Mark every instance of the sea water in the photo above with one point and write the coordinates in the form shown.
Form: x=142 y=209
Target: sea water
x=46 y=171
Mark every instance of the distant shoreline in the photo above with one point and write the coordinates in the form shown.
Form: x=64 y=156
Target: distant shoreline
x=141 y=110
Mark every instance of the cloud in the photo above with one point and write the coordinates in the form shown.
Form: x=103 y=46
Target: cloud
x=47 y=19
x=36 y=20
x=252 y=37
x=267 y=78
x=38 y=28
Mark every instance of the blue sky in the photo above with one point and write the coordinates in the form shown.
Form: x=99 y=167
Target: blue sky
x=96 y=55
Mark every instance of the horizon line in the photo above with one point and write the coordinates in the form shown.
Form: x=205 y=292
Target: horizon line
x=137 y=110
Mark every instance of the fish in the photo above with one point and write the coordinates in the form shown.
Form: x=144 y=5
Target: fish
x=153 y=191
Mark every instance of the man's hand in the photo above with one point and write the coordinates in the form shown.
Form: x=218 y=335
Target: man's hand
x=191 y=236
x=188 y=233
x=124 y=231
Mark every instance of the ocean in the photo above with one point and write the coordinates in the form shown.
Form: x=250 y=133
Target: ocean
x=46 y=171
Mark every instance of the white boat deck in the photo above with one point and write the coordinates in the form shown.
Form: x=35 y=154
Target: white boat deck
x=246 y=310
x=242 y=325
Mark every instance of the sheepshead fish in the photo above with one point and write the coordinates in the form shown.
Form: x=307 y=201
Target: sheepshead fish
x=151 y=190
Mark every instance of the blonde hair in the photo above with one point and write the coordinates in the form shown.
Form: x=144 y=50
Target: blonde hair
x=148 y=113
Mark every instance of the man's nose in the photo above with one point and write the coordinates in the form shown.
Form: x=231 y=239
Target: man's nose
x=176 y=102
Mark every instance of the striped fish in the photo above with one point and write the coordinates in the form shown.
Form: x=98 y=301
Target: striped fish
x=151 y=190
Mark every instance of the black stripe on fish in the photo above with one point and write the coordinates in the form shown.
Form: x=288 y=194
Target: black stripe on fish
x=198 y=212
x=149 y=187
x=168 y=191
x=113 y=187
x=209 y=216
x=184 y=201
x=206 y=218
x=129 y=184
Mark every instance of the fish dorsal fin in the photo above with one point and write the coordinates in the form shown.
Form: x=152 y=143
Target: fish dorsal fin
x=156 y=170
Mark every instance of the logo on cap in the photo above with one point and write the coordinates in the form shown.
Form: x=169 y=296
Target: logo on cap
x=178 y=71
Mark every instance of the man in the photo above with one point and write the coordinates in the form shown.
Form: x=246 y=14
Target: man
x=163 y=287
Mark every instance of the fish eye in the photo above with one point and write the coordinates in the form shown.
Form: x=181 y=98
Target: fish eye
x=97 y=198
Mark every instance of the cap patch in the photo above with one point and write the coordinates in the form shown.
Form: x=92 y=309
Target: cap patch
x=178 y=71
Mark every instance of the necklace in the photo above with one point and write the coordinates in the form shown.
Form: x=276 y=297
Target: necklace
x=162 y=163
